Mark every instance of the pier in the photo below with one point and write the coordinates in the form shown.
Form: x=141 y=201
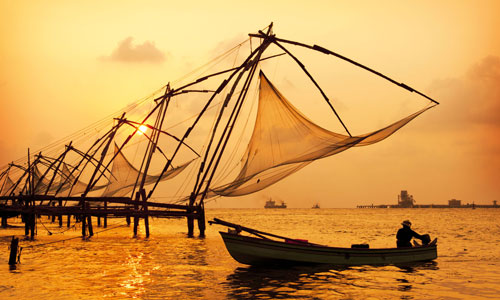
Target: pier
x=83 y=209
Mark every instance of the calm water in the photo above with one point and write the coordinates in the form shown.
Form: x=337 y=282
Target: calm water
x=112 y=265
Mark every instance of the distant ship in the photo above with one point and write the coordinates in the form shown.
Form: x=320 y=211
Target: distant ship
x=272 y=204
x=316 y=205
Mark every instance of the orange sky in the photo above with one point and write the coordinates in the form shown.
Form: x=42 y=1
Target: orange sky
x=65 y=65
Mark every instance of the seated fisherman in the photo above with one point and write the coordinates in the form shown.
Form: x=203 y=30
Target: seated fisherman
x=405 y=235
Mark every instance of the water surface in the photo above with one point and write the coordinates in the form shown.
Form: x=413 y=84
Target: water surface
x=168 y=265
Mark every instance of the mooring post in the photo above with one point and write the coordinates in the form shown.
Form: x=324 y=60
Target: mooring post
x=4 y=222
x=128 y=220
x=68 y=222
x=14 y=247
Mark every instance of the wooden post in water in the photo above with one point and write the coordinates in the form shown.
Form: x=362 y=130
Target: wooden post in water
x=14 y=247
x=106 y=214
x=201 y=219
x=53 y=218
x=4 y=222
x=190 y=222
x=136 y=210
x=68 y=222
x=190 y=218
x=32 y=226
x=91 y=230
x=99 y=217
x=84 y=229
x=25 y=218
x=145 y=208
x=60 y=216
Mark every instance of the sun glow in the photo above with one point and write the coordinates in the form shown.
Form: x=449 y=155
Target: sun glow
x=142 y=129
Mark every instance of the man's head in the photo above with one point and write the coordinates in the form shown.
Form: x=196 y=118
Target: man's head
x=406 y=223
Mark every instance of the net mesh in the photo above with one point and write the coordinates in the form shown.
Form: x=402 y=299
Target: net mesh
x=7 y=187
x=284 y=141
x=42 y=183
x=124 y=176
x=70 y=185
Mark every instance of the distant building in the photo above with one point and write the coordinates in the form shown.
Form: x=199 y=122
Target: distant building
x=495 y=203
x=454 y=203
x=405 y=200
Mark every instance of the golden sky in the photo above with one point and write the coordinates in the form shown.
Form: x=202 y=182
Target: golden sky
x=67 y=64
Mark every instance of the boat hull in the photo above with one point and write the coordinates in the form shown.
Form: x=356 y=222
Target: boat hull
x=256 y=251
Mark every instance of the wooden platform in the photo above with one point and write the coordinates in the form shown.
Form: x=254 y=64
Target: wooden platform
x=84 y=208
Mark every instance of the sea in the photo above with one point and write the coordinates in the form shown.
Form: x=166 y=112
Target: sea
x=113 y=264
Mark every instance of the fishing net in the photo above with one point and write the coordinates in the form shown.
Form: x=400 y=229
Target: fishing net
x=124 y=176
x=7 y=186
x=42 y=184
x=284 y=141
x=72 y=186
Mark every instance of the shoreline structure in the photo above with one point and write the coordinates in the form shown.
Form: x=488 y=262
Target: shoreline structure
x=406 y=200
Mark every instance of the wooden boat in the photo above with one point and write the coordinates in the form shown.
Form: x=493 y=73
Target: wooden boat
x=262 y=250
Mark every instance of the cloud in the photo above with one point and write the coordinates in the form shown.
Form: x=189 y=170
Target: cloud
x=127 y=52
x=473 y=98
x=468 y=118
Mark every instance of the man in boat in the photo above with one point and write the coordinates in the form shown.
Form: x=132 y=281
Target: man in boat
x=405 y=234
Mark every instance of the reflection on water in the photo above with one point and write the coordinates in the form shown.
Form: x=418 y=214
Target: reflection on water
x=264 y=283
x=317 y=282
x=113 y=265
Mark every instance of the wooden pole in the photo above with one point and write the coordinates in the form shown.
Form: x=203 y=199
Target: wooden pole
x=106 y=215
x=26 y=218
x=190 y=219
x=98 y=217
x=201 y=220
x=84 y=229
x=145 y=208
x=32 y=225
x=136 y=209
x=91 y=230
x=14 y=247
x=68 y=222
x=60 y=216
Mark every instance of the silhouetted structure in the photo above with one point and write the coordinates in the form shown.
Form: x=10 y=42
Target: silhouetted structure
x=454 y=203
x=405 y=199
